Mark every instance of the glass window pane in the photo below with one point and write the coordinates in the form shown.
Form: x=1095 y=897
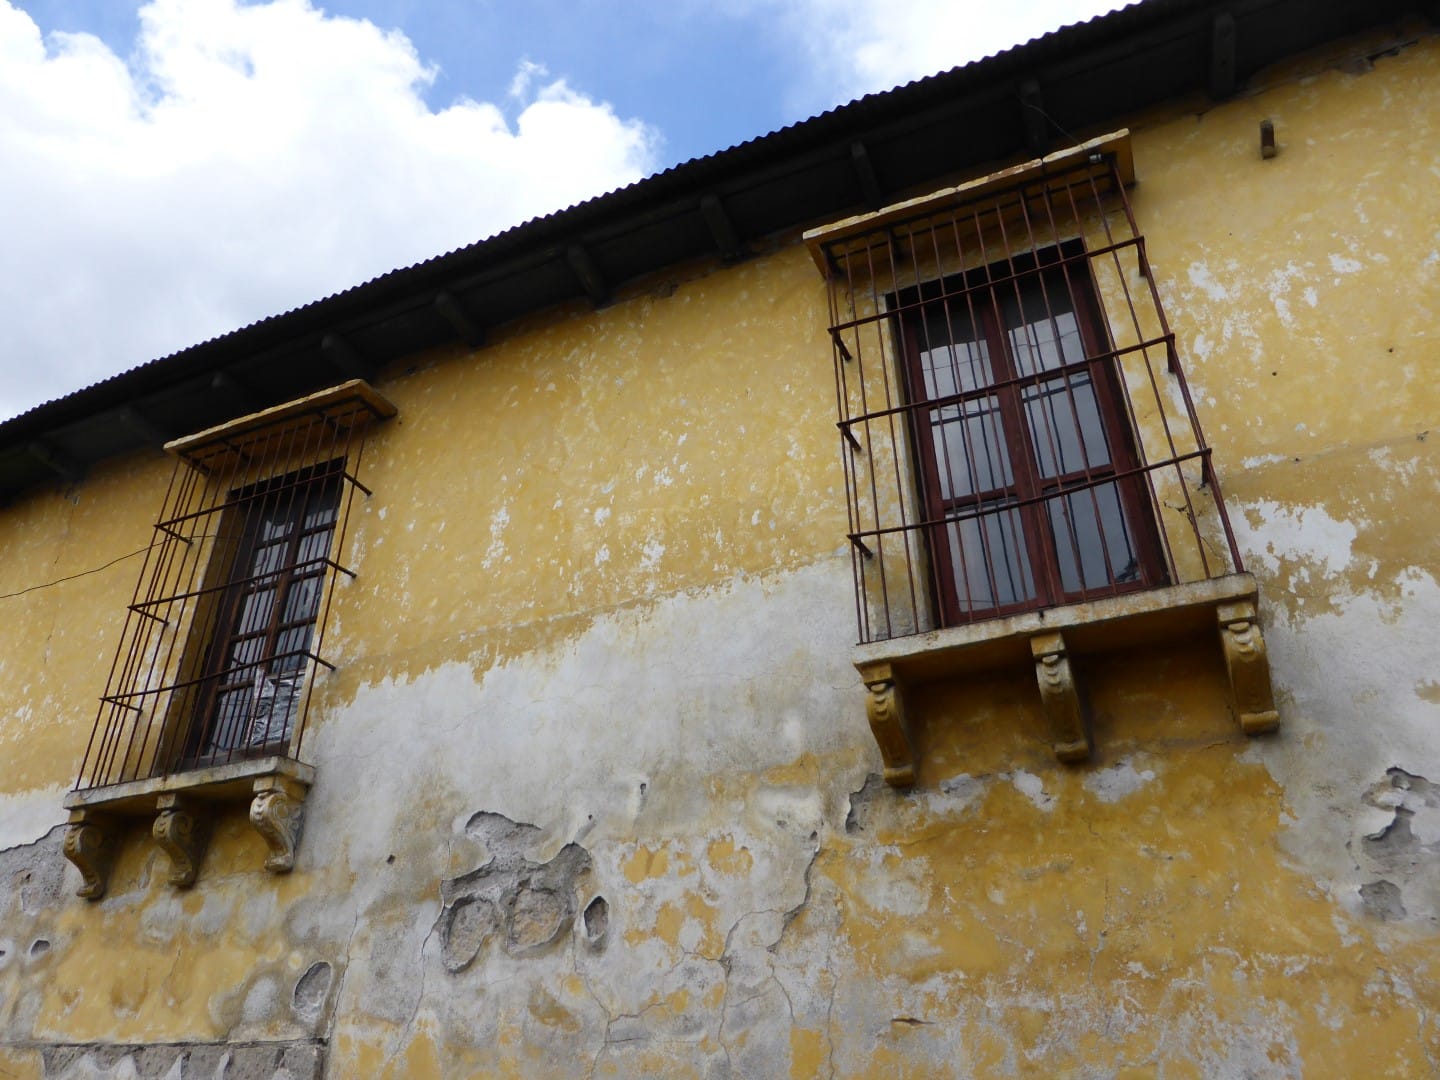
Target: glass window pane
x=255 y=611
x=952 y=360
x=267 y=558
x=247 y=650
x=232 y=713
x=275 y=523
x=1040 y=324
x=288 y=526
x=277 y=701
x=970 y=451
x=990 y=561
x=1092 y=539
x=322 y=511
x=303 y=599
x=290 y=649
x=313 y=547
x=1066 y=432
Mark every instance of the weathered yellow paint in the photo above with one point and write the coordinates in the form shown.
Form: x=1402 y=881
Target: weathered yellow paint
x=592 y=485
x=16 y=1062
x=1171 y=900
x=808 y=1051
x=647 y=863
x=727 y=857
x=582 y=397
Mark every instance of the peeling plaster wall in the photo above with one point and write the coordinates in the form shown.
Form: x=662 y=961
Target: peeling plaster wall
x=596 y=794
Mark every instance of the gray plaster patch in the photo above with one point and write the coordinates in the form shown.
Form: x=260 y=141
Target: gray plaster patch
x=525 y=904
x=1412 y=798
x=1401 y=847
x=464 y=929
x=308 y=998
x=301 y=1060
x=261 y=1000
x=1033 y=788
x=959 y=793
x=33 y=875
x=536 y=917
x=1113 y=783
x=597 y=921
x=862 y=803
x=38 y=882
x=1382 y=900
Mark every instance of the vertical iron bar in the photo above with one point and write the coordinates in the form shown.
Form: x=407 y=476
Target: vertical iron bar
x=1162 y=412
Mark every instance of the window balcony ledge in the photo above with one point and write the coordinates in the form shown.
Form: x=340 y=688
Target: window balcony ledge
x=184 y=805
x=1049 y=638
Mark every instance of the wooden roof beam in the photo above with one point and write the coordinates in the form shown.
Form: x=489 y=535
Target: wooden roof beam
x=1034 y=117
x=344 y=357
x=722 y=229
x=1224 y=77
x=139 y=425
x=448 y=306
x=588 y=274
x=865 y=175
x=56 y=460
x=222 y=382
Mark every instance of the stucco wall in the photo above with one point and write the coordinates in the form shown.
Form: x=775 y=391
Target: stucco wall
x=596 y=793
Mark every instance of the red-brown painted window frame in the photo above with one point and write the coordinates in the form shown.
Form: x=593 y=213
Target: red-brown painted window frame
x=295 y=498
x=926 y=316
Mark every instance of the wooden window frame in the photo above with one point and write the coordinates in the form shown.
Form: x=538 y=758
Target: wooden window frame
x=978 y=295
x=247 y=509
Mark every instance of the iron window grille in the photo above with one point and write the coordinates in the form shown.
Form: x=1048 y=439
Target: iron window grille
x=1016 y=429
x=227 y=621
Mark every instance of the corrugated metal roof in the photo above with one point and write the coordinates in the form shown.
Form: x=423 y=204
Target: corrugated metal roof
x=1127 y=58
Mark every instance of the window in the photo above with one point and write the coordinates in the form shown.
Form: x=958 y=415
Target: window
x=227 y=624
x=1026 y=479
x=1026 y=458
x=273 y=558
x=1016 y=430
x=206 y=699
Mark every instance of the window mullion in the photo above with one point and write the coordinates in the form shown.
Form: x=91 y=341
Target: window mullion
x=1039 y=549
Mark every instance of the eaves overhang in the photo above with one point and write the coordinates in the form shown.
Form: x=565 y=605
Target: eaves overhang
x=1015 y=105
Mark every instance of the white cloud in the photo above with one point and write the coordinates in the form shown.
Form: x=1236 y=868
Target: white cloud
x=856 y=47
x=242 y=161
x=525 y=75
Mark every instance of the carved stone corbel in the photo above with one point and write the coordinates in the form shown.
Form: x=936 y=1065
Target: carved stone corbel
x=1060 y=697
x=278 y=813
x=886 y=710
x=1249 y=667
x=183 y=835
x=90 y=842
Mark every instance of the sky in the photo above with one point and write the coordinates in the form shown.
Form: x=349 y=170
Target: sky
x=175 y=169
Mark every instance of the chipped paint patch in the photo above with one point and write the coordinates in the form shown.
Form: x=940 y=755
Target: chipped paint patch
x=1117 y=781
x=1202 y=278
x=25 y=816
x=1033 y=788
x=1275 y=533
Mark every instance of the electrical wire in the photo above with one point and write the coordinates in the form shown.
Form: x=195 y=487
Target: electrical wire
x=93 y=569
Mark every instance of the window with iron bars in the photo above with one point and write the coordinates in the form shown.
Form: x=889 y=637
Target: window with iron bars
x=228 y=617
x=272 y=557
x=1016 y=430
x=1025 y=455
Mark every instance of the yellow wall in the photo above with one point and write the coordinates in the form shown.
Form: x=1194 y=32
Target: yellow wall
x=604 y=600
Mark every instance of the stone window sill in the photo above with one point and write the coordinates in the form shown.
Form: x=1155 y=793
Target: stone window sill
x=183 y=805
x=1049 y=639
